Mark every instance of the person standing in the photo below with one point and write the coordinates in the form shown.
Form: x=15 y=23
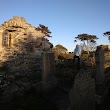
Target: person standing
x=77 y=54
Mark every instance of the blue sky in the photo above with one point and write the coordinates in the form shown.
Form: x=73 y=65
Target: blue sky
x=65 y=18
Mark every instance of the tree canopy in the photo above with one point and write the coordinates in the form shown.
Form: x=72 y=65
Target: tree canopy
x=62 y=48
x=83 y=37
x=44 y=30
x=60 y=51
x=107 y=34
x=88 y=40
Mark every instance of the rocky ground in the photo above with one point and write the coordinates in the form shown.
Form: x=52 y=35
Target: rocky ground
x=27 y=94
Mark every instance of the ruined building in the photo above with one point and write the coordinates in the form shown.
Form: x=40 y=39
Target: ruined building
x=18 y=41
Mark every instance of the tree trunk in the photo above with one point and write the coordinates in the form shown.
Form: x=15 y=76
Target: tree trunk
x=87 y=47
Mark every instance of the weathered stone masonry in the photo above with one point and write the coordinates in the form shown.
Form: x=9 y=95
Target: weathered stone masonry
x=17 y=46
x=102 y=62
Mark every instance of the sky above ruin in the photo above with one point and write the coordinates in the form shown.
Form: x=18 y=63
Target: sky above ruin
x=64 y=18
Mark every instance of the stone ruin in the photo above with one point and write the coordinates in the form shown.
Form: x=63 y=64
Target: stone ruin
x=102 y=77
x=102 y=57
x=19 y=45
x=82 y=94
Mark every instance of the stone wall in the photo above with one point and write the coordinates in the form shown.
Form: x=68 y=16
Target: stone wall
x=18 y=41
x=106 y=55
x=102 y=57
